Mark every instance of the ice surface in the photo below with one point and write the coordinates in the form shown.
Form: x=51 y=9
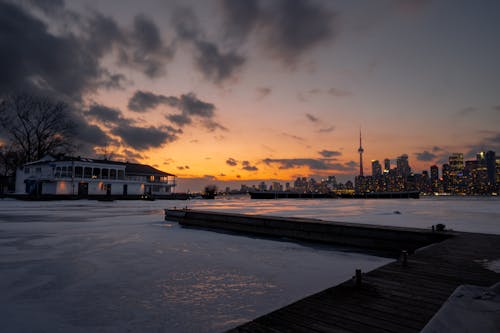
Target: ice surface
x=470 y=214
x=87 y=266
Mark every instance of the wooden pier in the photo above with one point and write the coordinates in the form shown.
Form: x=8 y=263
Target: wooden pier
x=397 y=297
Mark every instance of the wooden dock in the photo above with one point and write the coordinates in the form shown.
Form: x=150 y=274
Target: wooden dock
x=393 y=298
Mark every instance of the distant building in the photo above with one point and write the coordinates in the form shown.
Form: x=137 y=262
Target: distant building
x=387 y=165
x=85 y=177
x=491 y=168
x=376 y=168
x=402 y=166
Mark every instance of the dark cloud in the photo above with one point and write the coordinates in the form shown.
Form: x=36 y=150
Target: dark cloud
x=145 y=49
x=241 y=16
x=285 y=28
x=496 y=108
x=213 y=63
x=490 y=142
x=329 y=153
x=231 y=161
x=326 y=129
x=248 y=167
x=425 y=156
x=183 y=167
x=37 y=60
x=314 y=164
x=312 y=118
x=145 y=137
x=143 y=101
x=293 y=136
x=290 y=28
x=436 y=149
x=66 y=62
x=188 y=104
x=48 y=7
x=107 y=115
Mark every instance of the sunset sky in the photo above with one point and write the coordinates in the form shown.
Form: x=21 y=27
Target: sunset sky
x=232 y=92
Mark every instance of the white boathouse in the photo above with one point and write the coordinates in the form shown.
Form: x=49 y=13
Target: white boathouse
x=86 y=177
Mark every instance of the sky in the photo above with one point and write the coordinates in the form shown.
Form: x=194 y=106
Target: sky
x=235 y=92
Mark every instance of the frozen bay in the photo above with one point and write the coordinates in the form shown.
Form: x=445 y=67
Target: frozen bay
x=86 y=266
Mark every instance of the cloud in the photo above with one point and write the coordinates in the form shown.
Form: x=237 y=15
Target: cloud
x=314 y=164
x=329 y=153
x=285 y=29
x=68 y=63
x=188 y=104
x=145 y=137
x=425 y=156
x=496 y=108
x=293 y=136
x=241 y=17
x=213 y=63
x=289 y=28
x=490 y=142
x=231 y=161
x=262 y=92
x=248 y=167
x=38 y=60
x=326 y=129
x=107 y=115
x=312 y=118
x=436 y=149
x=145 y=50
x=143 y=101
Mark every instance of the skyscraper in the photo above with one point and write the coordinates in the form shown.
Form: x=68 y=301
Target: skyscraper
x=387 y=165
x=491 y=167
x=456 y=162
x=376 y=168
x=402 y=166
x=360 y=151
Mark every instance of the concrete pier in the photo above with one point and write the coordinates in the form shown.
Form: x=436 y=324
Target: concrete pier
x=382 y=238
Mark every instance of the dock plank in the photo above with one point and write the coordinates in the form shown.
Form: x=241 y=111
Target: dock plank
x=394 y=298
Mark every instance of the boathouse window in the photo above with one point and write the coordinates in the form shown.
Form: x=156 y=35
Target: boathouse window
x=70 y=172
x=78 y=172
x=96 y=173
x=26 y=170
x=38 y=170
x=87 y=172
x=64 y=172
x=112 y=174
x=58 y=172
x=104 y=173
x=121 y=174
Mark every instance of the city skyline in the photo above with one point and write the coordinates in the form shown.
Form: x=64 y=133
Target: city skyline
x=243 y=91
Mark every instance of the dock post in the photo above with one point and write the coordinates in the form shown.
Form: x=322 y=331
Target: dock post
x=358 y=278
x=404 y=258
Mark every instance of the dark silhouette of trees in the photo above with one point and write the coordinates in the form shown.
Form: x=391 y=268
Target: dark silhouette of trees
x=34 y=127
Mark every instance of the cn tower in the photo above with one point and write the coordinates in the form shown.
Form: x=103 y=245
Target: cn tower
x=360 y=151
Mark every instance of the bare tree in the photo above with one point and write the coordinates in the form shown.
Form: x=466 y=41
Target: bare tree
x=36 y=126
